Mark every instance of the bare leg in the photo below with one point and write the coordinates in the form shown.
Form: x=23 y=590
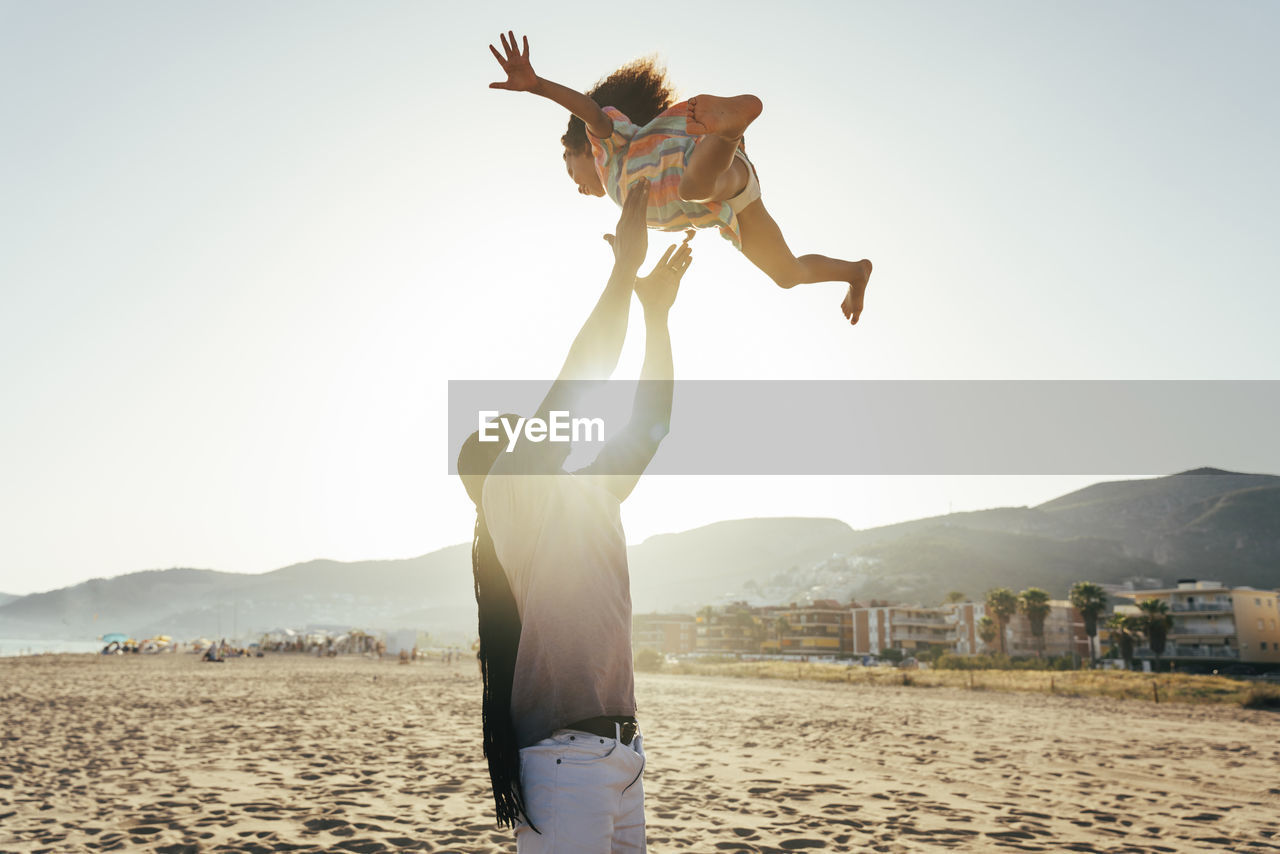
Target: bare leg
x=702 y=182
x=713 y=174
x=764 y=246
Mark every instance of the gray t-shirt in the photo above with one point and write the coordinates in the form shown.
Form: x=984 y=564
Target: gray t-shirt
x=559 y=538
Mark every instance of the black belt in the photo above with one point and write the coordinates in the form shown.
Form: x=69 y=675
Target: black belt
x=604 y=726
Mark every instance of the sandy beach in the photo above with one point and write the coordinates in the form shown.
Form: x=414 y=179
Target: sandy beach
x=166 y=754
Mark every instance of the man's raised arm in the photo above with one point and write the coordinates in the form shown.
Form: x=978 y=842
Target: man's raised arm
x=625 y=456
x=596 y=349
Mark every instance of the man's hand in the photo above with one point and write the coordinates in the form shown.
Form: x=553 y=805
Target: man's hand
x=520 y=76
x=629 y=451
x=632 y=241
x=657 y=291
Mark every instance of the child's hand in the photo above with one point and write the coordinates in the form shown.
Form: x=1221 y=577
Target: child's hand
x=657 y=291
x=520 y=76
x=632 y=242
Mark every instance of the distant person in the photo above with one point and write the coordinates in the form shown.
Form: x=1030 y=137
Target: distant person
x=549 y=560
x=628 y=127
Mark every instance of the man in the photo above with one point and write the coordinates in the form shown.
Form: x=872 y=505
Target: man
x=550 y=565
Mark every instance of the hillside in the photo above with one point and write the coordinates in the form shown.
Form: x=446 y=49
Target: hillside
x=425 y=591
x=687 y=570
x=1205 y=523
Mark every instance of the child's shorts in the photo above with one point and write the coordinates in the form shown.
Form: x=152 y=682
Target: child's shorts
x=749 y=193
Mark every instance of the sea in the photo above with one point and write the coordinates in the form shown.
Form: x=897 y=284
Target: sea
x=19 y=646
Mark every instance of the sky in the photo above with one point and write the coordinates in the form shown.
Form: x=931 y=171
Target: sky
x=245 y=246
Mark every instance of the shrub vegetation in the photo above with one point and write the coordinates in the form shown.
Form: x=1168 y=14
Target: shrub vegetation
x=1017 y=677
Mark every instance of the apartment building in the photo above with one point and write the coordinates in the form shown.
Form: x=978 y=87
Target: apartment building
x=912 y=629
x=669 y=634
x=1063 y=633
x=963 y=617
x=824 y=628
x=1215 y=623
x=734 y=629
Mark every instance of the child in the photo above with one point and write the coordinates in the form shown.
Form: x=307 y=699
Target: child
x=691 y=152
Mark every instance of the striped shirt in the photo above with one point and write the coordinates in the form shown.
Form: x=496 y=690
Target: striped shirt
x=658 y=151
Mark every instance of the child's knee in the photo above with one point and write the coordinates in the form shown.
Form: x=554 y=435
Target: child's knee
x=691 y=190
x=785 y=273
x=684 y=191
x=786 y=277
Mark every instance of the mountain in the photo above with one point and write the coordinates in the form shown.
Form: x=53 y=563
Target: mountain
x=687 y=570
x=1204 y=523
x=7 y=597
x=431 y=592
x=1207 y=522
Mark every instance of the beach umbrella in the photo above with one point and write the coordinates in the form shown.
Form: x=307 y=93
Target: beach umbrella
x=114 y=637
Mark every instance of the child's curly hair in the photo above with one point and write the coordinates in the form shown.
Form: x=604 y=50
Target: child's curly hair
x=639 y=89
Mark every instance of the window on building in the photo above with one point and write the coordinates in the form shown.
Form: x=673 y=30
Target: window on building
x=1259 y=624
x=1257 y=601
x=1264 y=646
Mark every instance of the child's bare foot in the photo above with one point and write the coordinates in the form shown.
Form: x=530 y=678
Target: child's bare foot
x=852 y=305
x=727 y=117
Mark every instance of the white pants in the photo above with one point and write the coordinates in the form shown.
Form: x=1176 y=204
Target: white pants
x=751 y=191
x=583 y=793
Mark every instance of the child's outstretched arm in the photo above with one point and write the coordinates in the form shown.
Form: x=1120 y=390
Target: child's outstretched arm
x=521 y=78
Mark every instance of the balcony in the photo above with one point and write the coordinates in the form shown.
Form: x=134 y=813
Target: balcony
x=1184 y=632
x=1199 y=607
x=931 y=637
x=812 y=632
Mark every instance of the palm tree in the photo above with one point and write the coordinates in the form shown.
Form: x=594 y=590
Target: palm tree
x=1033 y=603
x=1090 y=600
x=955 y=597
x=1002 y=604
x=1156 y=622
x=1125 y=632
x=987 y=630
